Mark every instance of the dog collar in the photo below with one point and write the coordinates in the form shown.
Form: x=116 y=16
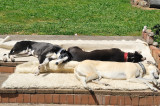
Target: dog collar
x=125 y=57
x=143 y=68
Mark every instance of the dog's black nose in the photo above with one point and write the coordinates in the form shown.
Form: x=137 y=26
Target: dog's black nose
x=56 y=63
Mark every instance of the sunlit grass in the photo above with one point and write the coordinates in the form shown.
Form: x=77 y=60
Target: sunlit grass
x=67 y=17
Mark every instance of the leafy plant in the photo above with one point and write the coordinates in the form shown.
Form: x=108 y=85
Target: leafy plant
x=156 y=30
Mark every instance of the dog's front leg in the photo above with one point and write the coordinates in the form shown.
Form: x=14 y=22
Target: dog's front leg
x=152 y=80
x=5 y=58
x=12 y=58
x=144 y=81
x=43 y=61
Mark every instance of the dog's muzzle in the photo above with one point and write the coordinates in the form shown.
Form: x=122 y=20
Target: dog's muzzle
x=59 y=61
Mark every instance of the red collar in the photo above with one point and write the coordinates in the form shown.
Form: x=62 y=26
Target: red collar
x=125 y=57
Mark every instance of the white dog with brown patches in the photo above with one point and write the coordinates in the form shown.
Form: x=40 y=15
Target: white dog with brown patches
x=90 y=70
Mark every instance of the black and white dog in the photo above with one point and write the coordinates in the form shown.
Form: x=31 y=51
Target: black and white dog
x=77 y=54
x=45 y=52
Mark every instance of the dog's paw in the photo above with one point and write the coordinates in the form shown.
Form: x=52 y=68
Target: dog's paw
x=39 y=67
x=12 y=59
x=154 y=89
x=88 y=88
x=106 y=84
x=36 y=73
x=158 y=85
x=155 y=82
x=5 y=59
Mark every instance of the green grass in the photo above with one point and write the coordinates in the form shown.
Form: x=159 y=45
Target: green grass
x=67 y=17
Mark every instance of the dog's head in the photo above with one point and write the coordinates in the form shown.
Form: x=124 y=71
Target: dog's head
x=74 y=48
x=64 y=56
x=137 y=57
x=153 y=70
x=20 y=48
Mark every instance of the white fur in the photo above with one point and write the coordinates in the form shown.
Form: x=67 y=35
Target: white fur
x=59 y=52
x=46 y=61
x=144 y=28
x=59 y=61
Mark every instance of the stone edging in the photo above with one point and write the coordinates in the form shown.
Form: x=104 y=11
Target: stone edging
x=154 y=50
x=80 y=97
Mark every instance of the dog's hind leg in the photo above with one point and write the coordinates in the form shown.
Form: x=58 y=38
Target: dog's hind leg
x=98 y=82
x=85 y=73
x=82 y=79
x=144 y=81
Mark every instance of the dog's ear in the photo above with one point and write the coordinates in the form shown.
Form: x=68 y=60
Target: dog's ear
x=11 y=52
x=63 y=51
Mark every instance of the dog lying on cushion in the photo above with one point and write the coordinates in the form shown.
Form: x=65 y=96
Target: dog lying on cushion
x=43 y=51
x=51 y=67
x=77 y=54
x=90 y=70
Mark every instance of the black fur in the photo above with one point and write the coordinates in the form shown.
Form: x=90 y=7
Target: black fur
x=114 y=54
x=41 y=49
x=156 y=29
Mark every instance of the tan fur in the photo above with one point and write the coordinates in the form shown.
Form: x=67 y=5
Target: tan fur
x=89 y=70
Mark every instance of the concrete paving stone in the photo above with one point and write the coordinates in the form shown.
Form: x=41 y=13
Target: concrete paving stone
x=69 y=37
x=3 y=77
x=29 y=104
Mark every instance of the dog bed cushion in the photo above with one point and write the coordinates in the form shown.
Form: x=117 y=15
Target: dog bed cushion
x=64 y=81
x=23 y=77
